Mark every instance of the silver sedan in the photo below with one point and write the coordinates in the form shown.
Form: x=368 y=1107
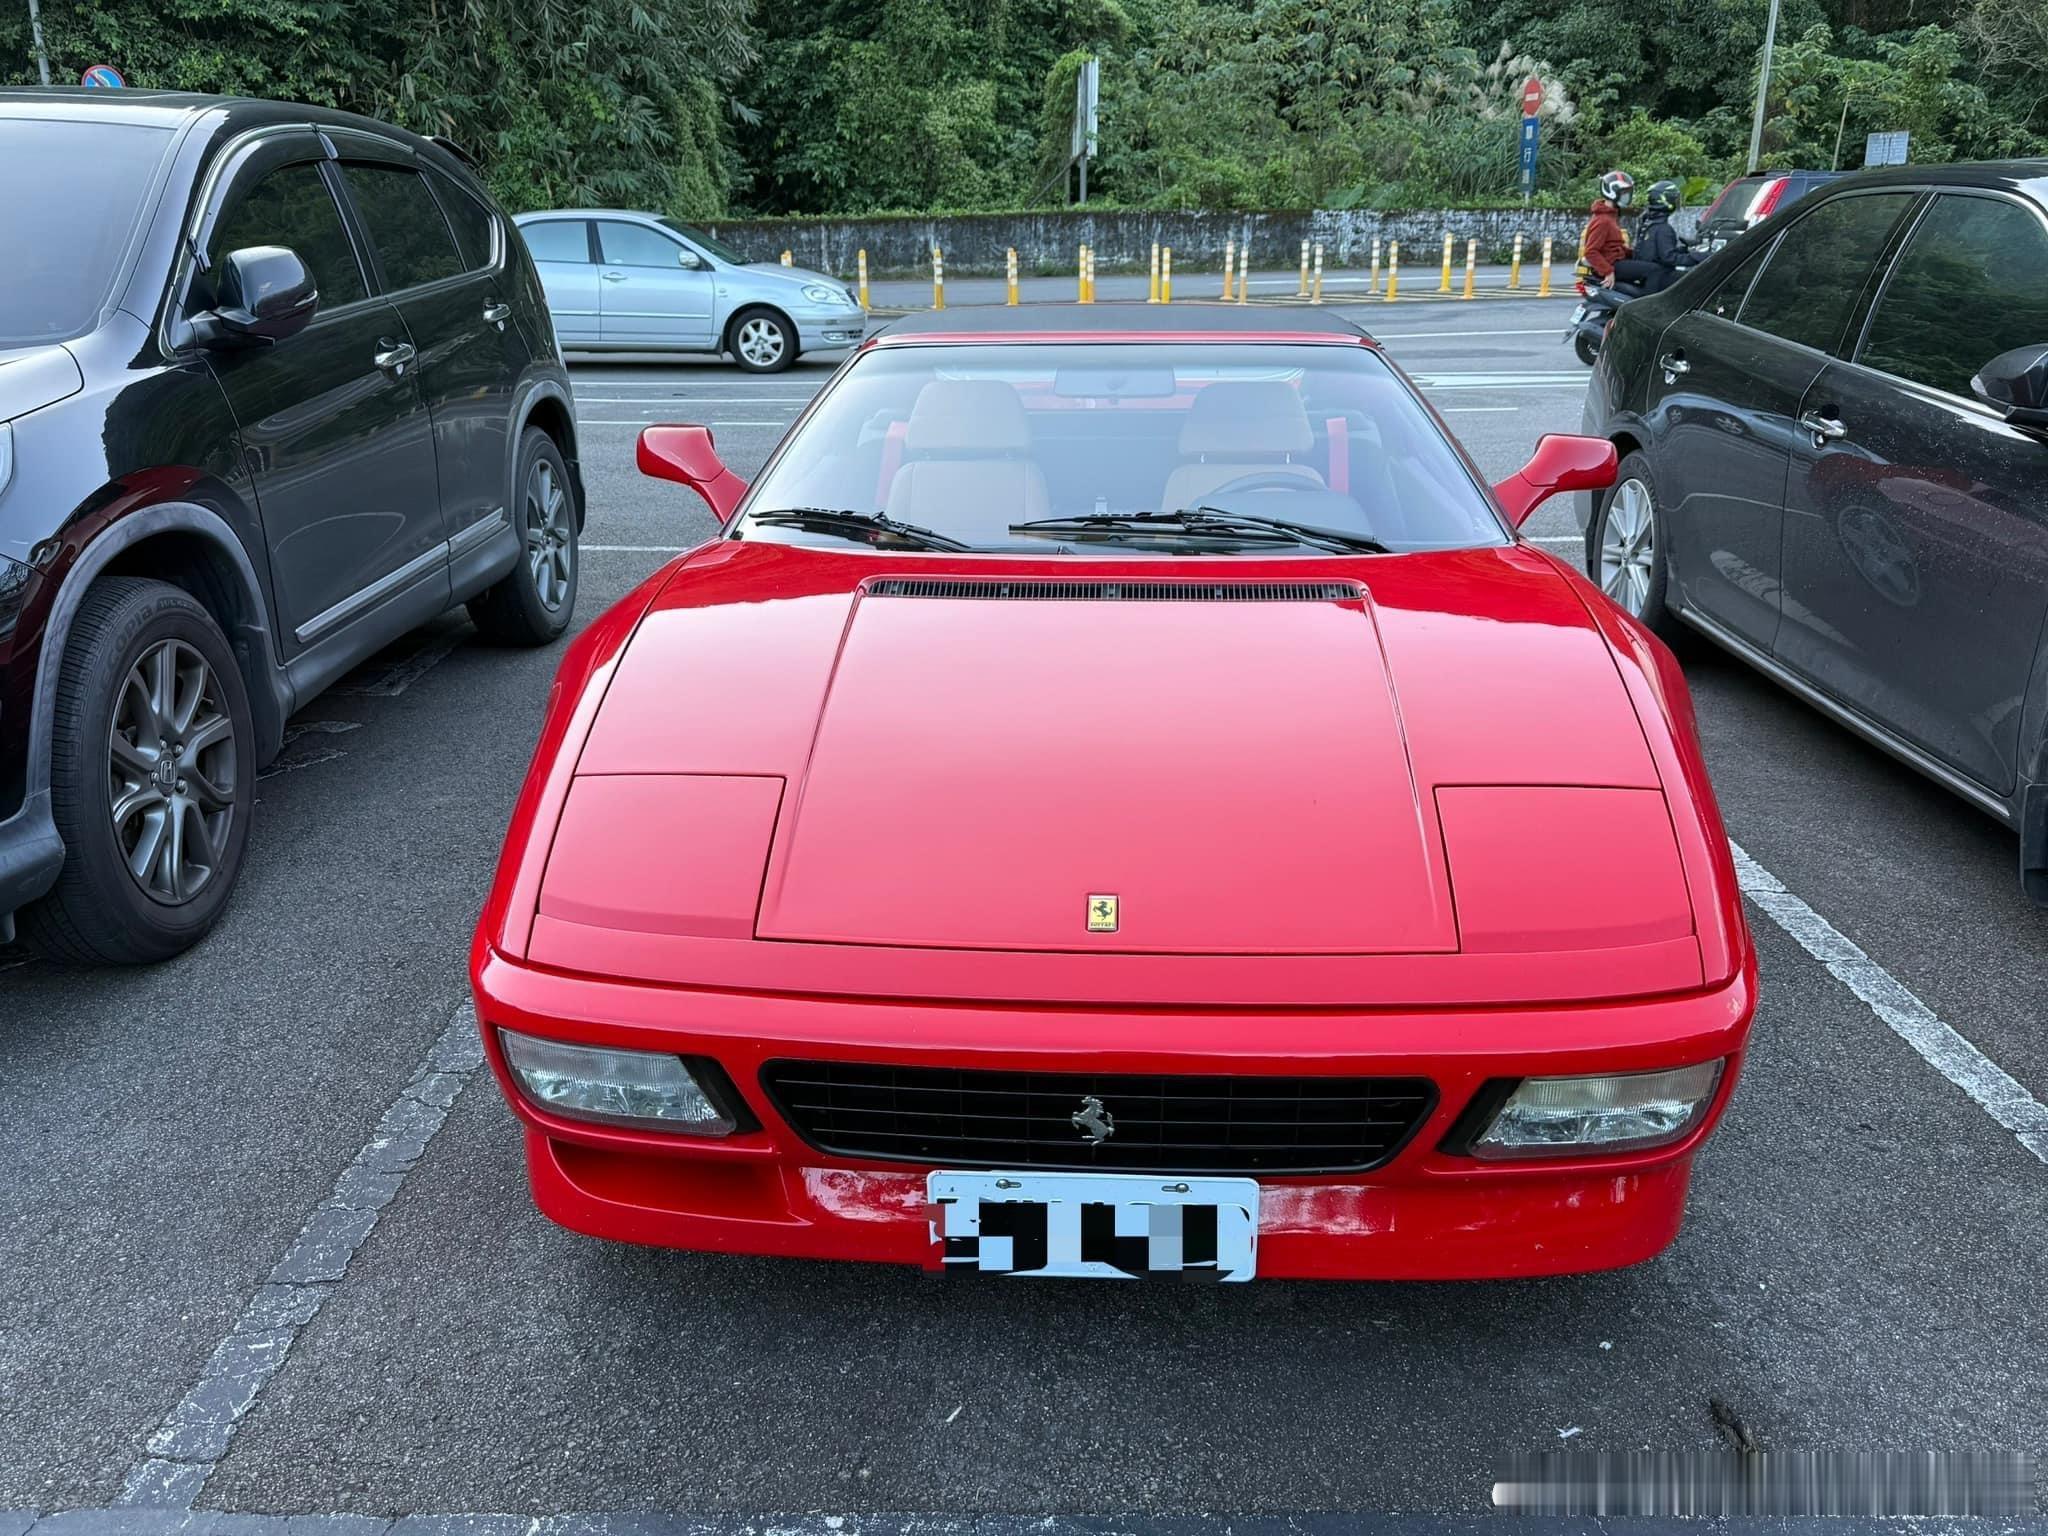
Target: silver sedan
x=638 y=282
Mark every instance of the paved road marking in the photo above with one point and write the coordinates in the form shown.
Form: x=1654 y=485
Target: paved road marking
x=194 y=1436
x=1558 y=538
x=1546 y=379
x=673 y=399
x=1993 y=1089
x=1474 y=410
x=632 y=549
x=642 y=421
x=1546 y=330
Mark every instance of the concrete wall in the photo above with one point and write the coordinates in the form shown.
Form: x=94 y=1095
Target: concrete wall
x=1046 y=242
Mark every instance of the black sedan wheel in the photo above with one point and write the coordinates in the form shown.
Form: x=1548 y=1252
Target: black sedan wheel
x=1625 y=547
x=152 y=771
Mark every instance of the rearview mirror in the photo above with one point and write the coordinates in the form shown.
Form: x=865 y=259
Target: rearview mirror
x=689 y=260
x=2016 y=383
x=686 y=456
x=1561 y=462
x=265 y=294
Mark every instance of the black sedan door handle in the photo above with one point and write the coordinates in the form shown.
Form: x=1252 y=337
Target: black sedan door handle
x=1825 y=429
x=497 y=314
x=392 y=356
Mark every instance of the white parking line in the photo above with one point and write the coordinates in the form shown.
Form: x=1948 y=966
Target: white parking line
x=630 y=549
x=644 y=421
x=195 y=1435
x=1990 y=1086
x=1474 y=410
x=1547 y=330
x=691 y=399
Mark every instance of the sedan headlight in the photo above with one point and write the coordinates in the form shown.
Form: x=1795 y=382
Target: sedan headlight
x=649 y=1090
x=1549 y=1116
x=818 y=293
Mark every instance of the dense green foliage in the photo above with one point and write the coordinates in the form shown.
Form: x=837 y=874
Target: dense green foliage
x=702 y=107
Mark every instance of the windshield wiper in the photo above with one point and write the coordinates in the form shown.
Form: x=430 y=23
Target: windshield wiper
x=1205 y=520
x=856 y=525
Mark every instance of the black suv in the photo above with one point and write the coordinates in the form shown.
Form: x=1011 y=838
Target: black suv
x=277 y=384
x=1834 y=440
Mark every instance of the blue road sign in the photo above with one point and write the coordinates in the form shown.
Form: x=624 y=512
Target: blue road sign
x=1529 y=156
x=102 y=77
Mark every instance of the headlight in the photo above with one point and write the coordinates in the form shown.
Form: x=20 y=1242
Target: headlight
x=646 y=1089
x=818 y=293
x=1546 y=1116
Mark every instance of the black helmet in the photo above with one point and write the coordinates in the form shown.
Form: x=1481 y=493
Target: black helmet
x=1618 y=187
x=1664 y=197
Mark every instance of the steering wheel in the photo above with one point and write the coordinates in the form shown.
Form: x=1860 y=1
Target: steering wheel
x=1261 y=480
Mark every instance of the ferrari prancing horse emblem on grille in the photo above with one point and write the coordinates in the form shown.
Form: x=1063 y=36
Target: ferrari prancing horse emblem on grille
x=1094 y=1121
x=1102 y=914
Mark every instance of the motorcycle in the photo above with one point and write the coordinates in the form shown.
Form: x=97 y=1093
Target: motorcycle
x=1598 y=305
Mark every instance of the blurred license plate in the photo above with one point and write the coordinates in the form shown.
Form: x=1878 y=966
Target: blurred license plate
x=1102 y=1226
x=1578 y=314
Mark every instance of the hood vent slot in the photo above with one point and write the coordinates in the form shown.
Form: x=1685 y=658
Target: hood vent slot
x=1120 y=591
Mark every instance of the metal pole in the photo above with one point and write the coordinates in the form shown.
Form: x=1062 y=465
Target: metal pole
x=1763 y=89
x=1084 y=181
x=35 y=26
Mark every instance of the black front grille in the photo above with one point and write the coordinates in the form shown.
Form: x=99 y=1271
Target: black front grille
x=1118 y=591
x=956 y=1118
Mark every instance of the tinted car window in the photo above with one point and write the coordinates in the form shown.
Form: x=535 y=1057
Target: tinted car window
x=1806 y=293
x=405 y=224
x=557 y=240
x=472 y=221
x=72 y=195
x=634 y=245
x=1959 y=293
x=290 y=207
x=1728 y=297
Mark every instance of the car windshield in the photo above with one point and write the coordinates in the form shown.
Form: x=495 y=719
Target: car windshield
x=704 y=242
x=74 y=195
x=1167 y=448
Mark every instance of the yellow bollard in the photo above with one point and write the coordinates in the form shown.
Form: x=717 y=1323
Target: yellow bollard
x=1166 y=274
x=1012 y=273
x=1229 y=265
x=938 y=279
x=1244 y=271
x=1317 y=290
x=863 y=280
x=1080 y=274
x=1543 y=288
x=1302 y=292
x=1471 y=262
x=1445 y=285
x=1152 y=285
x=1515 y=265
x=787 y=261
x=1393 y=269
x=1373 y=284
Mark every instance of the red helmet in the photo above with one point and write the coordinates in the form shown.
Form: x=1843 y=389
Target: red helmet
x=1618 y=187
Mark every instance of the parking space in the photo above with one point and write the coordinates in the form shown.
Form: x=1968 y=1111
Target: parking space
x=1861 y=1266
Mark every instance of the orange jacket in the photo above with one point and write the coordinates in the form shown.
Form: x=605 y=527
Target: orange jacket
x=1602 y=243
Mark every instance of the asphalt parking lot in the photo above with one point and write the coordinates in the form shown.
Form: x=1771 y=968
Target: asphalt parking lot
x=1861 y=1269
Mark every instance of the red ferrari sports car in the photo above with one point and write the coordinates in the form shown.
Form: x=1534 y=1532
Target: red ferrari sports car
x=1117 y=797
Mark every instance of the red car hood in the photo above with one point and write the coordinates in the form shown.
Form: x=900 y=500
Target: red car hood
x=1414 y=755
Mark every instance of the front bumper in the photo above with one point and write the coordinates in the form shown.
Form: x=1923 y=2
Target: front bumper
x=1425 y=1214
x=824 y=330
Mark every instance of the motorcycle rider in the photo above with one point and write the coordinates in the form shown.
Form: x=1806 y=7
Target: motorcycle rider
x=1603 y=242
x=1659 y=254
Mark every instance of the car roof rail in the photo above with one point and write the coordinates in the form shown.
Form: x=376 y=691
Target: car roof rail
x=454 y=149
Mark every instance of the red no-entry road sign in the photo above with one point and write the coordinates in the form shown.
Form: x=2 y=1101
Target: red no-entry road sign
x=1532 y=96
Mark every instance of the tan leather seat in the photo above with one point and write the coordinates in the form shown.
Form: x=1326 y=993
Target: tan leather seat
x=967 y=469
x=1239 y=427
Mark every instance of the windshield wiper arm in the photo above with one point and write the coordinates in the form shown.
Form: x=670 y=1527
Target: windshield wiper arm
x=1211 y=521
x=856 y=525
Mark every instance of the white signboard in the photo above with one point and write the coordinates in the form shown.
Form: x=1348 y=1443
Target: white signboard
x=1087 y=97
x=1885 y=149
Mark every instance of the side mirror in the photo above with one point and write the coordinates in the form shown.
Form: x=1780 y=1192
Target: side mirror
x=2016 y=383
x=689 y=260
x=686 y=456
x=265 y=295
x=1561 y=462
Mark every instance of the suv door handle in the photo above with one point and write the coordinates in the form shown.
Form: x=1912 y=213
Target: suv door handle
x=392 y=356
x=1673 y=364
x=1825 y=429
x=613 y=277
x=497 y=314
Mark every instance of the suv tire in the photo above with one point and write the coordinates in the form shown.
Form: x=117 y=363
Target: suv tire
x=152 y=778
x=532 y=605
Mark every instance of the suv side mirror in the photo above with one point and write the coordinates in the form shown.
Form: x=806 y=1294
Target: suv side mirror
x=266 y=294
x=686 y=456
x=1561 y=462
x=2016 y=383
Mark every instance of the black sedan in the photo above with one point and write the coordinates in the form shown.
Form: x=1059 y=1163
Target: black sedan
x=1835 y=464
x=276 y=385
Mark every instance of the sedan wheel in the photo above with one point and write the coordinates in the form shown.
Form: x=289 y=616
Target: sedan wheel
x=171 y=760
x=1628 y=546
x=763 y=342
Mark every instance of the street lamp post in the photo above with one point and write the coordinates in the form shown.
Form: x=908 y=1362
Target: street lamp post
x=1763 y=89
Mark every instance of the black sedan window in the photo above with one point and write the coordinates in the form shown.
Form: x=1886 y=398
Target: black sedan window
x=1952 y=302
x=405 y=224
x=1814 y=280
x=290 y=207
